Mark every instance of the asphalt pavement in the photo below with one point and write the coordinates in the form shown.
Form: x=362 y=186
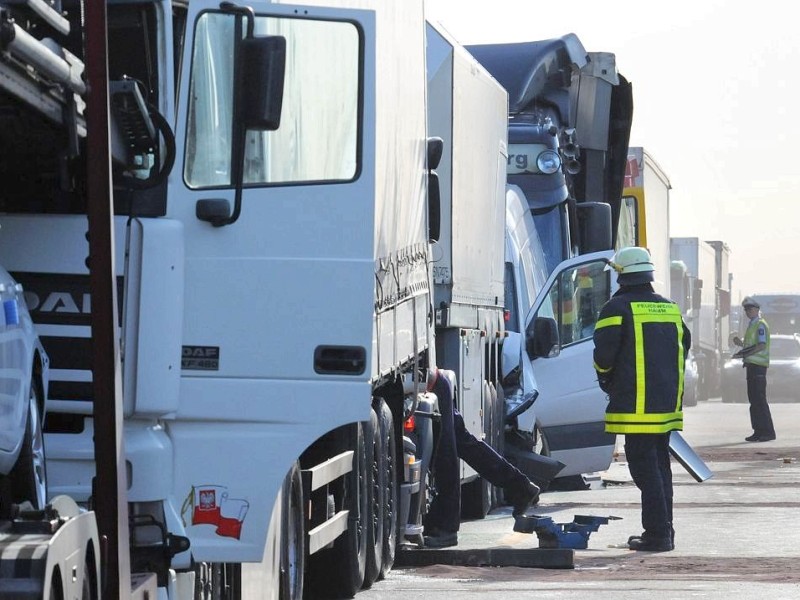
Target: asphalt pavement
x=737 y=535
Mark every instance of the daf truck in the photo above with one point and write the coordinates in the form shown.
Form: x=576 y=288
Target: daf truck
x=270 y=232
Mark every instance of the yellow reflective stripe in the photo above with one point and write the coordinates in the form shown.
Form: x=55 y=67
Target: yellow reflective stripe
x=608 y=322
x=646 y=423
x=656 y=428
x=649 y=418
x=600 y=369
x=641 y=386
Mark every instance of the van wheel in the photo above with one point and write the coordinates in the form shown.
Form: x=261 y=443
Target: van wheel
x=29 y=478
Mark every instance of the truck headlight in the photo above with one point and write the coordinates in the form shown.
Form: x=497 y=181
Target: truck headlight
x=548 y=162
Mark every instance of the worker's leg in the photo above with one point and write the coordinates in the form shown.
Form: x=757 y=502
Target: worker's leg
x=641 y=452
x=760 y=415
x=445 y=511
x=665 y=470
x=485 y=460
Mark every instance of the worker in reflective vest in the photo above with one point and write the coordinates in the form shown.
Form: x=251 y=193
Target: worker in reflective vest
x=641 y=343
x=755 y=353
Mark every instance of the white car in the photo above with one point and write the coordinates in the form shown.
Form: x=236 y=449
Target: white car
x=24 y=368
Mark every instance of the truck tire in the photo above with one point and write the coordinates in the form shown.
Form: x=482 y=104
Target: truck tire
x=28 y=478
x=338 y=572
x=391 y=523
x=293 y=539
x=376 y=494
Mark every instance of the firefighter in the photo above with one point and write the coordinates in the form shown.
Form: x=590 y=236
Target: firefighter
x=641 y=343
x=755 y=353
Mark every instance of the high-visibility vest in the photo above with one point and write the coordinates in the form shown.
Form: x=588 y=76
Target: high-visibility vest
x=760 y=358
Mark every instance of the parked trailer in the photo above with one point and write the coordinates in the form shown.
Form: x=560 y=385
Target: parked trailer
x=701 y=286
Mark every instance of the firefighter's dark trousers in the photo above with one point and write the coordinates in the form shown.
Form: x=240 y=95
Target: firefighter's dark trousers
x=455 y=442
x=649 y=464
x=760 y=416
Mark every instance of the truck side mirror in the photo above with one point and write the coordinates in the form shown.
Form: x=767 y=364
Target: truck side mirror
x=264 y=67
x=435 y=150
x=594 y=226
x=724 y=303
x=543 y=340
x=697 y=298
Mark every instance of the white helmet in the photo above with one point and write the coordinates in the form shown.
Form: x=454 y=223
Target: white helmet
x=633 y=265
x=748 y=301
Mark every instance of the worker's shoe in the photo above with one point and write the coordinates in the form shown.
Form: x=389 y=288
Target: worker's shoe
x=524 y=499
x=757 y=437
x=645 y=536
x=441 y=539
x=650 y=544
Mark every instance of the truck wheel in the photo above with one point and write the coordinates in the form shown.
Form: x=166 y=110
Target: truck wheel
x=376 y=492
x=293 y=539
x=391 y=524
x=29 y=479
x=338 y=572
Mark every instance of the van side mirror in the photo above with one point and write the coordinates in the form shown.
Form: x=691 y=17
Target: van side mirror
x=542 y=340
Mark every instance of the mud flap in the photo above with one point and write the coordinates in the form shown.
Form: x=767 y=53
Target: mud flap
x=684 y=454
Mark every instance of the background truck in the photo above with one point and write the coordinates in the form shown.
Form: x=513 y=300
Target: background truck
x=701 y=284
x=570 y=114
x=241 y=421
x=781 y=311
x=644 y=213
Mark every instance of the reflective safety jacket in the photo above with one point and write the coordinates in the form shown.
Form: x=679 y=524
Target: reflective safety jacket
x=640 y=351
x=757 y=333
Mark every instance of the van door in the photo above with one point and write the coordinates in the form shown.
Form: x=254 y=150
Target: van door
x=570 y=410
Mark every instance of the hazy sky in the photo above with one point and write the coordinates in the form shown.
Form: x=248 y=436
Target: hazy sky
x=716 y=104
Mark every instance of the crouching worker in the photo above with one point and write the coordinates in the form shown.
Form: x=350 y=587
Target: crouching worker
x=641 y=343
x=455 y=442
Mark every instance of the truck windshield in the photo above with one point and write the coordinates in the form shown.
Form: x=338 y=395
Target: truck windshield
x=317 y=140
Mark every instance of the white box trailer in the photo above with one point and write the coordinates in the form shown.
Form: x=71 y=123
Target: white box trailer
x=468 y=110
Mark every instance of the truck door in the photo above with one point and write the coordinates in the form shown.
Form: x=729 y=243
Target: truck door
x=254 y=308
x=570 y=410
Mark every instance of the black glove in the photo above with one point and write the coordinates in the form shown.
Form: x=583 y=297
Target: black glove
x=604 y=379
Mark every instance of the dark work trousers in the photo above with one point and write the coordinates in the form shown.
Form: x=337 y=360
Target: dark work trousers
x=760 y=416
x=455 y=442
x=649 y=464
